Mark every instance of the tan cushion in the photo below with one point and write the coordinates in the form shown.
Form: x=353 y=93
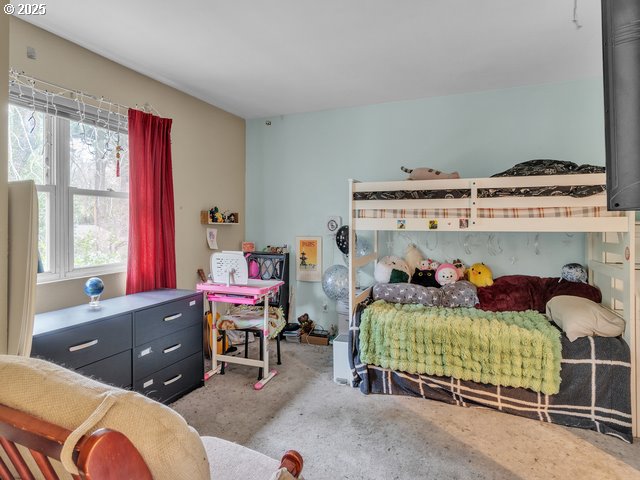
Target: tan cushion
x=171 y=448
x=230 y=461
x=580 y=317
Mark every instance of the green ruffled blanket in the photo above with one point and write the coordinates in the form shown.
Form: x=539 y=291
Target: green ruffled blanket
x=516 y=349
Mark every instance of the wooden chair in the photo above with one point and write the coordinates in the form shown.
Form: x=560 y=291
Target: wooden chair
x=103 y=455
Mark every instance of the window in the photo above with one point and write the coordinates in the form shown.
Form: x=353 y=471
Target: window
x=82 y=192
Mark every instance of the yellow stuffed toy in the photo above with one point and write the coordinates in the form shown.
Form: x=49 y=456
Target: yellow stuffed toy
x=480 y=275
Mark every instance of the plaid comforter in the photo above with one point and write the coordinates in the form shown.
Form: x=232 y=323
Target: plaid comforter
x=595 y=392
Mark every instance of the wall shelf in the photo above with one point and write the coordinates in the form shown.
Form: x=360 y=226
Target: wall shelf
x=204 y=219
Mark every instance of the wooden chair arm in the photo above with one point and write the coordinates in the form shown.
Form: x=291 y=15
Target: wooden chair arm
x=107 y=454
x=293 y=462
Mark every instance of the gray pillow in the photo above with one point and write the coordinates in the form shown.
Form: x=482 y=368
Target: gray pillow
x=459 y=294
x=407 y=293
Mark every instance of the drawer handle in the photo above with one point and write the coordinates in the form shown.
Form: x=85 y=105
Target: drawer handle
x=82 y=346
x=174 y=379
x=172 y=317
x=172 y=349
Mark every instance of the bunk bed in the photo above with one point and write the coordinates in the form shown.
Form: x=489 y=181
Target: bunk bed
x=541 y=203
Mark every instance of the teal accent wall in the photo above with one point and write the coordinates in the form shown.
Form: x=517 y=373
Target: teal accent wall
x=297 y=169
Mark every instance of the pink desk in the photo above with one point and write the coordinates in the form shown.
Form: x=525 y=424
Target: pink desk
x=255 y=292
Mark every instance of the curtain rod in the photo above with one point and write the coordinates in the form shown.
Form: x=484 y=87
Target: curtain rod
x=23 y=77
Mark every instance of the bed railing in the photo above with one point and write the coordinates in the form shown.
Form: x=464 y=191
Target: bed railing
x=474 y=213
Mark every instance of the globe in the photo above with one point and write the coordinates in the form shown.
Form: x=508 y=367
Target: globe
x=93 y=287
x=335 y=282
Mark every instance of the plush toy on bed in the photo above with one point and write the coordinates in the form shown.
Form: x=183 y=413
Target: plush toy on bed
x=460 y=267
x=391 y=269
x=413 y=257
x=446 y=274
x=480 y=275
x=425 y=278
x=574 y=272
x=428 y=174
x=429 y=264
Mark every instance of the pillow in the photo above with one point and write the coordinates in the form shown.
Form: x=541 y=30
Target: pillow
x=407 y=293
x=579 y=317
x=459 y=294
x=170 y=447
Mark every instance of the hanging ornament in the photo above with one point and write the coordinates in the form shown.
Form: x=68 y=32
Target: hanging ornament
x=118 y=150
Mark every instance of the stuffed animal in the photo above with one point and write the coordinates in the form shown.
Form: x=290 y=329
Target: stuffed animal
x=413 y=257
x=426 y=278
x=446 y=274
x=428 y=174
x=431 y=264
x=574 y=272
x=460 y=267
x=480 y=275
x=385 y=267
x=398 y=276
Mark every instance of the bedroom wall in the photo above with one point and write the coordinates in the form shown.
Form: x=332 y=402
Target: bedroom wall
x=297 y=168
x=208 y=146
x=4 y=89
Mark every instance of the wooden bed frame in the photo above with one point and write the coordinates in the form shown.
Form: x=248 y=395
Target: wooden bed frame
x=103 y=455
x=610 y=246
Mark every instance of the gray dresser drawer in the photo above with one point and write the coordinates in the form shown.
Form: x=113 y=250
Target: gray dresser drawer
x=114 y=370
x=155 y=355
x=174 y=381
x=85 y=344
x=156 y=322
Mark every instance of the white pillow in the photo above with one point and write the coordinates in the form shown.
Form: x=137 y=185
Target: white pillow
x=580 y=317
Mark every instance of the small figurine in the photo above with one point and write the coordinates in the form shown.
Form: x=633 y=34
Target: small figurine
x=215 y=216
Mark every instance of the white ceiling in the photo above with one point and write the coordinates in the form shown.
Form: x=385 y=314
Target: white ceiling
x=263 y=58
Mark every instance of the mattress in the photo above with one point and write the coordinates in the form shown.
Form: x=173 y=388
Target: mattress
x=543 y=212
x=595 y=388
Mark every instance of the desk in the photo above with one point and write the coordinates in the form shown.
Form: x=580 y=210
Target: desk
x=257 y=291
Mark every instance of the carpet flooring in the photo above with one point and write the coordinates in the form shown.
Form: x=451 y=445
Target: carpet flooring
x=343 y=434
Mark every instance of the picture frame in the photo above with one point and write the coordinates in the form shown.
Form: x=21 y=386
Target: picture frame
x=309 y=259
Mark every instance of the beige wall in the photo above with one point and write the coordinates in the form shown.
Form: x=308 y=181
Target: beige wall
x=4 y=67
x=208 y=148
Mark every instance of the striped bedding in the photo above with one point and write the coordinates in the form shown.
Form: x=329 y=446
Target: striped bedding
x=543 y=212
x=595 y=388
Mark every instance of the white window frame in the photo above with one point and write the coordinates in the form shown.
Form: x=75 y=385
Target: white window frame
x=61 y=198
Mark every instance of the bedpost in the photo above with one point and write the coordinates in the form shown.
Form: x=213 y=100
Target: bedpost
x=631 y=316
x=351 y=256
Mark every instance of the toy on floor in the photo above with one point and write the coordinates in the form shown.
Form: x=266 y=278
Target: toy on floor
x=574 y=272
x=428 y=174
x=480 y=275
x=460 y=267
x=413 y=257
x=306 y=324
x=446 y=274
x=386 y=265
x=426 y=278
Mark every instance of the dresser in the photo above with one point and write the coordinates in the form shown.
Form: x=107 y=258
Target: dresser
x=150 y=342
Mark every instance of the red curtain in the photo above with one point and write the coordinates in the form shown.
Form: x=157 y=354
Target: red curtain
x=152 y=253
